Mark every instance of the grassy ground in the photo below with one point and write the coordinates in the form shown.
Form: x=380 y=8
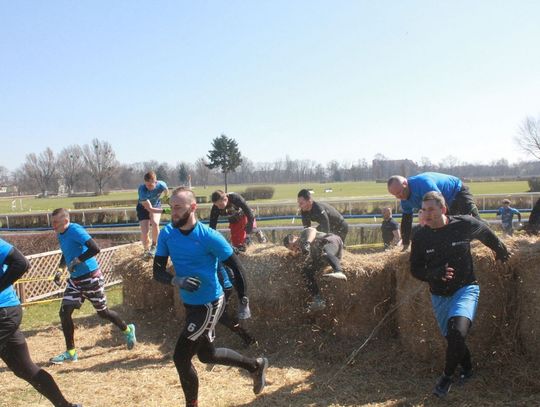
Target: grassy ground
x=44 y=314
x=282 y=192
x=307 y=368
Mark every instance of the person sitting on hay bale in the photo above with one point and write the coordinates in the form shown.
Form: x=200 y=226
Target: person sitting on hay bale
x=85 y=282
x=196 y=250
x=320 y=249
x=13 y=347
x=226 y=276
x=441 y=256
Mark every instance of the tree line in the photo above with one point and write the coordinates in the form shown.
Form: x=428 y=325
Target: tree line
x=94 y=167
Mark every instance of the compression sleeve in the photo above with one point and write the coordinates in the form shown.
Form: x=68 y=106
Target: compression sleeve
x=160 y=270
x=93 y=249
x=214 y=215
x=17 y=265
x=240 y=202
x=233 y=262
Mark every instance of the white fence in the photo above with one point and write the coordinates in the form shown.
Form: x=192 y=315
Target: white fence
x=38 y=284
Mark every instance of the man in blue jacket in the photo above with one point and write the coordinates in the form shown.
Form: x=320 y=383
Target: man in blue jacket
x=410 y=191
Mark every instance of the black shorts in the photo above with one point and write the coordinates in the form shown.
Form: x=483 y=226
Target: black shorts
x=142 y=213
x=10 y=319
x=91 y=286
x=202 y=319
x=463 y=204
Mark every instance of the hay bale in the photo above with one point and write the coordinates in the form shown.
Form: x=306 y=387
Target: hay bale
x=278 y=291
x=528 y=293
x=418 y=329
x=140 y=290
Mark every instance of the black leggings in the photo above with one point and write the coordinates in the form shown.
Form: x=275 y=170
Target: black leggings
x=330 y=254
x=14 y=352
x=457 y=352
x=206 y=351
x=68 y=327
x=463 y=204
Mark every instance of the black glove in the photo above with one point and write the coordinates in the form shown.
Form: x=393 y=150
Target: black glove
x=58 y=278
x=190 y=284
x=306 y=248
x=73 y=263
x=502 y=255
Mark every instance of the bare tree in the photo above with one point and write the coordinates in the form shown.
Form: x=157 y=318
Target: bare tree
x=70 y=166
x=4 y=176
x=100 y=161
x=528 y=138
x=202 y=172
x=42 y=170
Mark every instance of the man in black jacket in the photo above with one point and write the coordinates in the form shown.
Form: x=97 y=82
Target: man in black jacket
x=441 y=256
x=328 y=218
x=242 y=222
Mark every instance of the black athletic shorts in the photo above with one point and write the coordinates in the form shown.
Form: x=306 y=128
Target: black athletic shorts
x=142 y=212
x=202 y=319
x=10 y=319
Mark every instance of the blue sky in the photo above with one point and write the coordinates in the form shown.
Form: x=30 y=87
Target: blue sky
x=318 y=80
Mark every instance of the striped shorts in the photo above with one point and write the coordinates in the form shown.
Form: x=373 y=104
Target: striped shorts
x=202 y=319
x=91 y=286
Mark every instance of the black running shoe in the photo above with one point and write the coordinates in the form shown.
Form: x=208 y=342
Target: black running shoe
x=259 y=375
x=443 y=386
x=464 y=376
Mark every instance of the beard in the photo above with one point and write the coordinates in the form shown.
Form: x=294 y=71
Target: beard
x=182 y=221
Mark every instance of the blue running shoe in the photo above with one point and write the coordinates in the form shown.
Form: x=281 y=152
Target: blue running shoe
x=64 y=357
x=131 y=340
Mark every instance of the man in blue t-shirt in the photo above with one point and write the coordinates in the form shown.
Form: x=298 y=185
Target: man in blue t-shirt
x=150 y=197
x=13 y=348
x=411 y=190
x=506 y=213
x=85 y=282
x=195 y=251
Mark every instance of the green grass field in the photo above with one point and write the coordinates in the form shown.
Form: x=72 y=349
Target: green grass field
x=283 y=192
x=44 y=314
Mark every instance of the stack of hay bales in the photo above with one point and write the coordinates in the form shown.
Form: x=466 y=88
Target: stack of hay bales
x=508 y=312
x=528 y=294
x=140 y=290
x=278 y=291
x=418 y=329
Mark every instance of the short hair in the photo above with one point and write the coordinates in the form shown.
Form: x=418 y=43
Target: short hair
x=179 y=190
x=435 y=196
x=150 y=176
x=61 y=212
x=217 y=195
x=287 y=240
x=387 y=208
x=506 y=201
x=394 y=178
x=304 y=193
